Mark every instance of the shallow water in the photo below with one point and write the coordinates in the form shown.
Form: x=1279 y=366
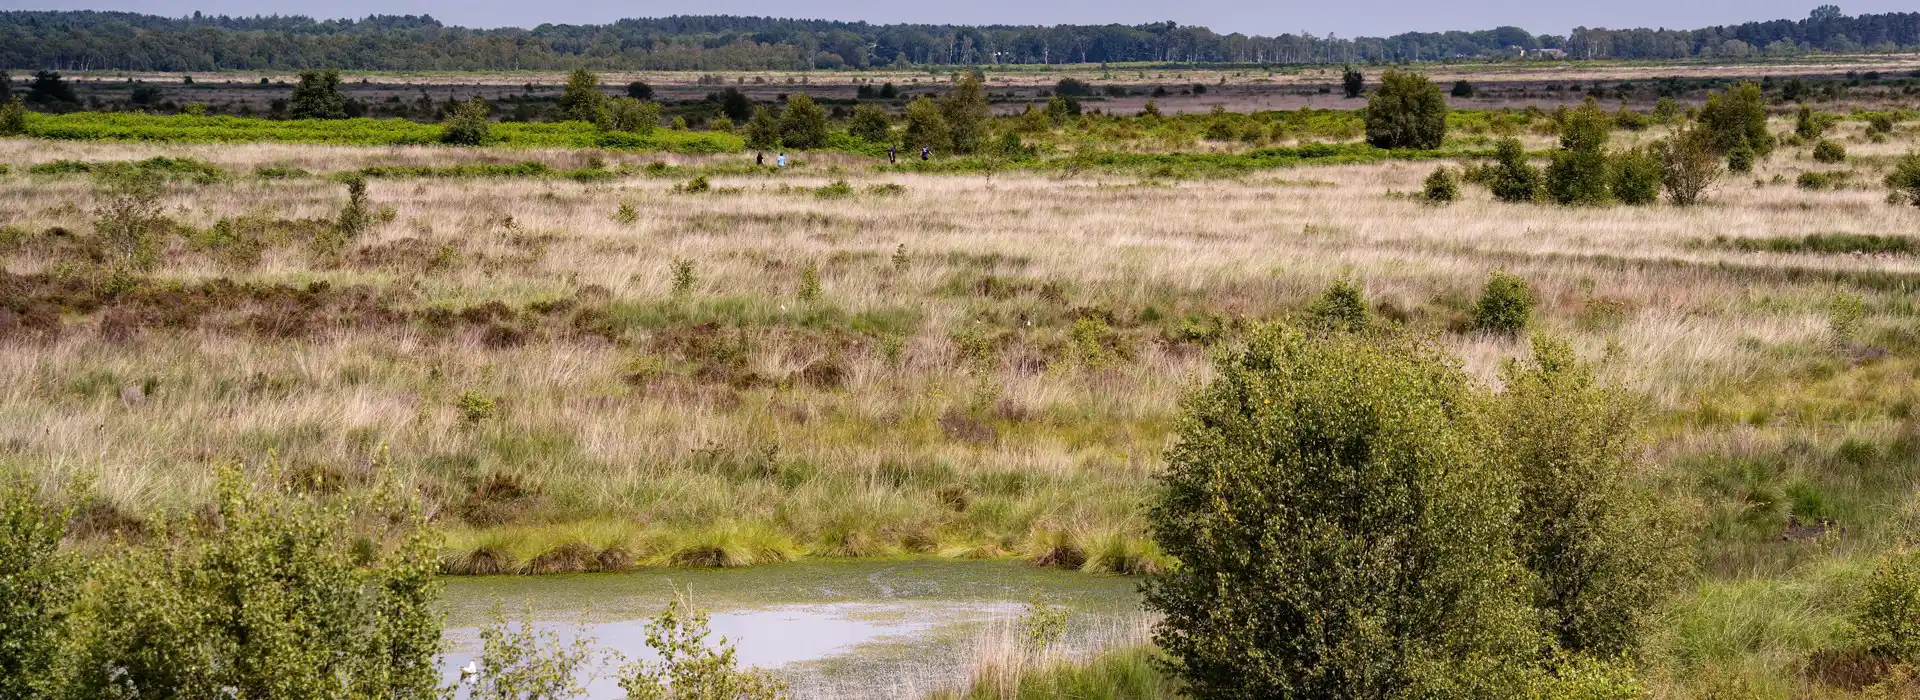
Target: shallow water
x=834 y=629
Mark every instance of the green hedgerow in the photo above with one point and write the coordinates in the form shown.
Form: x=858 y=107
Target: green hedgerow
x=1505 y=306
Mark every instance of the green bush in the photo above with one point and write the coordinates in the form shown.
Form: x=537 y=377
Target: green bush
x=469 y=125
x=1827 y=180
x=130 y=221
x=1905 y=178
x=1636 y=177
x=1688 y=165
x=1462 y=89
x=1740 y=159
x=686 y=667
x=1829 y=152
x=13 y=117
x=581 y=100
x=1512 y=178
x=1505 y=306
x=1736 y=119
x=1341 y=308
x=803 y=124
x=870 y=123
x=1352 y=82
x=1578 y=173
x=317 y=96
x=38 y=583
x=1341 y=528
x=1407 y=111
x=1441 y=187
x=633 y=116
x=926 y=126
x=967 y=113
x=1886 y=618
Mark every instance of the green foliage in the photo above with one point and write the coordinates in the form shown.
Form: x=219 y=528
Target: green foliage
x=130 y=221
x=1512 y=178
x=1886 y=618
x=1740 y=159
x=13 y=117
x=523 y=662
x=1342 y=308
x=870 y=123
x=927 y=126
x=1441 y=187
x=810 y=282
x=1828 y=243
x=627 y=213
x=1736 y=118
x=1060 y=109
x=1809 y=125
x=803 y=124
x=475 y=407
x=1352 y=82
x=632 y=116
x=1578 y=173
x=270 y=597
x=640 y=91
x=317 y=96
x=1905 y=178
x=966 y=112
x=1829 y=152
x=763 y=130
x=1342 y=528
x=1636 y=177
x=469 y=125
x=1505 y=306
x=133 y=126
x=1688 y=165
x=837 y=189
x=682 y=276
x=1602 y=550
x=901 y=261
x=354 y=219
x=1407 y=111
x=688 y=668
x=582 y=100
x=38 y=583
x=1828 y=180
x=1462 y=89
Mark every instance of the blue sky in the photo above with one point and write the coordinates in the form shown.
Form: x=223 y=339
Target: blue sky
x=1346 y=18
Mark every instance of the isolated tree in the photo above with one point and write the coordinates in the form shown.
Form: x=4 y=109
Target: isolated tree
x=1060 y=109
x=1462 y=89
x=1807 y=125
x=1441 y=187
x=926 y=126
x=1512 y=178
x=1342 y=528
x=1505 y=306
x=803 y=124
x=1578 y=173
x=966 y=112
x=870 y=123
x=469 y=125
x=1736 y=118
x=1352 y=83
x=48 y=89
x=1406 y=111
x=639 y=90
x=763 y=130
x=1341 y=308
x=582 y=100
x=1689 y=165
x=1635 y=177
x=736 y=105
x=632 y=115
x=1602 y=549
x=317 y=96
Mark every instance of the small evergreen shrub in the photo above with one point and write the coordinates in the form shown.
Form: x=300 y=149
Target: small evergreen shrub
x=1505 y=306
x=1829 y=152
x=1441 y=187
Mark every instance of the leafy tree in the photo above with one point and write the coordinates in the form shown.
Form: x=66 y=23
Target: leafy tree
x=49 y=89
x=1905 y=178
x=1505 y=306
x=1689 y=165
x=270 y=598
x=1512 y=178
x=1341 y=527
x=1407 y=111
x=1352 y=83
x=736 y=105
x=688 y=668
x=870 y=123
x=1636 y=177
x=1736 y=118
x=1441 y=187
x=1602 y=549
x=1462 y=89
x=469 y=125
x=1060 y=109
x=640 y=90
x=926 y=126
x=632 y=115
x=1808 y=125
x=38 y=584
x=582 y=100
x=6 y=86
x=317 y=96
x=966 y=113
x=1578 y=173
x=803 y=124
x=1072 y=87
x=763 y=130
x=13 y=117
x=130 y=221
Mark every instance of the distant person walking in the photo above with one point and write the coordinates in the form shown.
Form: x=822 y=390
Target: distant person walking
x=892 y=151
x=781 y=162
x=759 y=158
x=925 y=153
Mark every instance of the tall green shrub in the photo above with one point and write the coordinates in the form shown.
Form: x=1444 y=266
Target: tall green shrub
x=582 y=100
x=870 y=123
x=38 y=583
x=1505 y=306
x=966 y=112
x=803 y=124
x=1342 y=308
x=1407 y=111
x=1352 y=82
x=926 y=126
x=1636 y=176
x=1578 y=173
x=317 y=96
x=13 y=117
x=763 y=130
x=1905 y=178
x=1341 y=529
x=1441 y=187
x=1737 y=118
x=130 y=220
x=1886 y=617
x=632 y=116
x=1688 y=165
x=1512 y=178
x=469 y=125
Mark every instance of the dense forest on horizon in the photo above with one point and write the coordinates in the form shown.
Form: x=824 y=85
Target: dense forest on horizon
x=92 y=40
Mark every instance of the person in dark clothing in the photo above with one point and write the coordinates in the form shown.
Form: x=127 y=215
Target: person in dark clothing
x=892 y=151
x=925 y=153
x=759 y=158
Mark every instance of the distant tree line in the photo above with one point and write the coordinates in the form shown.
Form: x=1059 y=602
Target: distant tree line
x=88 y=40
